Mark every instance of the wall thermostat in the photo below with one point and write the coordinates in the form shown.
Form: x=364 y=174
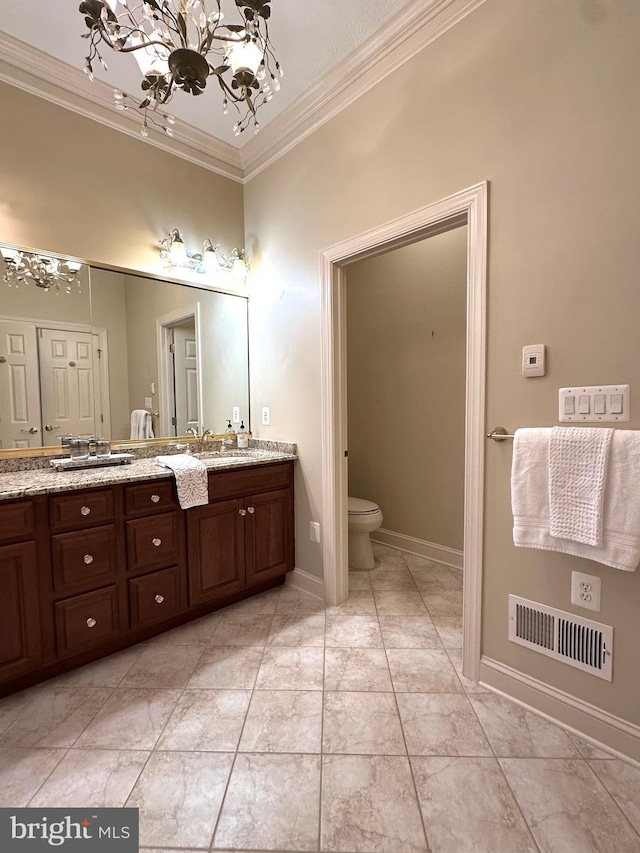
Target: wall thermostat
x=533 y=360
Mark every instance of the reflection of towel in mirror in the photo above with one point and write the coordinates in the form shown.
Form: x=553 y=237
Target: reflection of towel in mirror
x=141 y=426
x=191 y=479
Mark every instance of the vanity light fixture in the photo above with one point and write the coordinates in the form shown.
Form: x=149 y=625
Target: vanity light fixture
x=211 y=260
x=44 y=271
x=179 y=44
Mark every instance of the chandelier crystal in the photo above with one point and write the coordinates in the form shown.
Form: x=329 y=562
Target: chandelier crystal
x=44 y=271
x=180 y=44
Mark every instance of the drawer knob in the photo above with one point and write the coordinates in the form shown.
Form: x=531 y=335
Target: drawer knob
x=242 y=511
x=85 y=510
x=88 y=559
x=159 y=599
x=251 y=509
x=157 y=542
x=155 y=499
x=91 y=622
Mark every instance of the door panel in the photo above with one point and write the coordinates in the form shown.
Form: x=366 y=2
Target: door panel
x=186 y=378
x=216 y=550
x=269 y=535
x=19 y=392
x=19 y=618
x=66 y=382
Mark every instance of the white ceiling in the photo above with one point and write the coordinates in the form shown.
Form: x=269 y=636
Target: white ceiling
x=310 y=38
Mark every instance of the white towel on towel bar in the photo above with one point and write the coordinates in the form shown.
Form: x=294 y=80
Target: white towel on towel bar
x=578 y=462
x=141 y=425
x=621 y=520
x=191 y=478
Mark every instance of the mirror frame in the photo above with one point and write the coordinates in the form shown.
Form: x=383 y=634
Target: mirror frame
x=124 y=444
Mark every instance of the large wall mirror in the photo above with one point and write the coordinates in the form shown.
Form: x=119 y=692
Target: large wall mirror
x=77 y=358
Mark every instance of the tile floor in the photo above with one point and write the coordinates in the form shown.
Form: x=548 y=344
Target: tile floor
x=280 y=725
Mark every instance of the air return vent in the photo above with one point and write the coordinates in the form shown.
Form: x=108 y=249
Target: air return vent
x=571 y=639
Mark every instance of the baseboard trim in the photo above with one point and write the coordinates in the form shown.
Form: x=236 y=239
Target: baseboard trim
x=599 y=728
x=429 y=550
x=306 y=581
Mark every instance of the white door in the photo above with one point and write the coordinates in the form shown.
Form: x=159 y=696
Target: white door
x=185 y=366
x=20 y=424
x=66 y=384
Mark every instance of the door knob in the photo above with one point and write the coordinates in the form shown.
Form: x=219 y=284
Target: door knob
x=50 y=427
x=155 y=499
x=32 y=430
x=159 y=599
x=157 y=542
x=251 y=509
x=88 y=559
x=91 y=622
x=85 y=510
x=242 y=511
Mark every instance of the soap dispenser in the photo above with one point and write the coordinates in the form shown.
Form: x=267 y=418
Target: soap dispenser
x=243 y=437
x=230 y=440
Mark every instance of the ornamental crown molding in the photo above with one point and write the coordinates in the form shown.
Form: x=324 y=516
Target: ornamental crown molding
x=405 y=35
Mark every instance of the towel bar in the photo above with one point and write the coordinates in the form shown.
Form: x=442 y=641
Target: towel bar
x=499 y=434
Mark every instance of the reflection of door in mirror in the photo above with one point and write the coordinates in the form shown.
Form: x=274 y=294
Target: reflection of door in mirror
x=185 y=377
x=66 y=384
x=20 y=420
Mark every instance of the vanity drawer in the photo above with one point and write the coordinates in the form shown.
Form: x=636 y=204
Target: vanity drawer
x=86 y=620
x=81 y=510
x=243 y=481
x=153 y=541
x=16 y=520
x=154 y=597
x=147 y=497
x=83 y=559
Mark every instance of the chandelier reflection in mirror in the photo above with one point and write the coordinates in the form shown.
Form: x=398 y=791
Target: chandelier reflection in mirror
x=45 y=272
x=178 y=44
x=173 y=253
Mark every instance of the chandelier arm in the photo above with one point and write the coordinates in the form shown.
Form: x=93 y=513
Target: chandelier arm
x=229 y=90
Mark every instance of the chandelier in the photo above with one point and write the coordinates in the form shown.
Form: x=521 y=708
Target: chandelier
x=43 y=271
x=178 y=45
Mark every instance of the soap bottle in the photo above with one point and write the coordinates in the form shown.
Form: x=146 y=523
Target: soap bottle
x=230 y=440
x=243 y=437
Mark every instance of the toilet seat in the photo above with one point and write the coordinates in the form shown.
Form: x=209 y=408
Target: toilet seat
x=358 y=506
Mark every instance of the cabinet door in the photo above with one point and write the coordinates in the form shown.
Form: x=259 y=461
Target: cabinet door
x=269 y=535
x=216 y=550
x=19 y=618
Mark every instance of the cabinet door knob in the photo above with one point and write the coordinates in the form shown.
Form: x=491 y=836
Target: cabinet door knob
x=159 y=599
x=155 y=499
x=88 y=559
x=91 y=622
x=251 y=509
x=85 y=510
x=157 y=542
x=242 y=511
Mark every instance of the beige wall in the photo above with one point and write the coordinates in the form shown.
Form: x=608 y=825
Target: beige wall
x=406 y=324
x=73 y=186
x=542 y=100
x=108 y=312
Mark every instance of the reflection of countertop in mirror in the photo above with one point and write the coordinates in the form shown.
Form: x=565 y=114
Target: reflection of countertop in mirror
x=20 y=484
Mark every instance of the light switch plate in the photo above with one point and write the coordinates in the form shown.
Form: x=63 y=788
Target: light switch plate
x=594 y=404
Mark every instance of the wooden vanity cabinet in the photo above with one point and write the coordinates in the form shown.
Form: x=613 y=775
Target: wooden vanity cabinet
x=245 y=536
x=20 y=642
x=84 y=574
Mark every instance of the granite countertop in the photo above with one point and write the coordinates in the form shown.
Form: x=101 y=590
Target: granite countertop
x=21 y=484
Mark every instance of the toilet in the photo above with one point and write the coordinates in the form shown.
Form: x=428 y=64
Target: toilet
x=364 y=518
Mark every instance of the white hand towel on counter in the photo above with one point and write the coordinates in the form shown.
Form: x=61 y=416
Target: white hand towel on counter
x=141 y=425
x=621 y=519
x=578 y=462
x=191 y=479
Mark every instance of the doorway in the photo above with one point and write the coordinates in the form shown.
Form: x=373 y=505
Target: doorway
x=179 y=371
x=466 y=207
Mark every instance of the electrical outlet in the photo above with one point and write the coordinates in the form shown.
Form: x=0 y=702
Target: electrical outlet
x=585 y=590
x=235 y=417
x=266 y=416
x=314 y=531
